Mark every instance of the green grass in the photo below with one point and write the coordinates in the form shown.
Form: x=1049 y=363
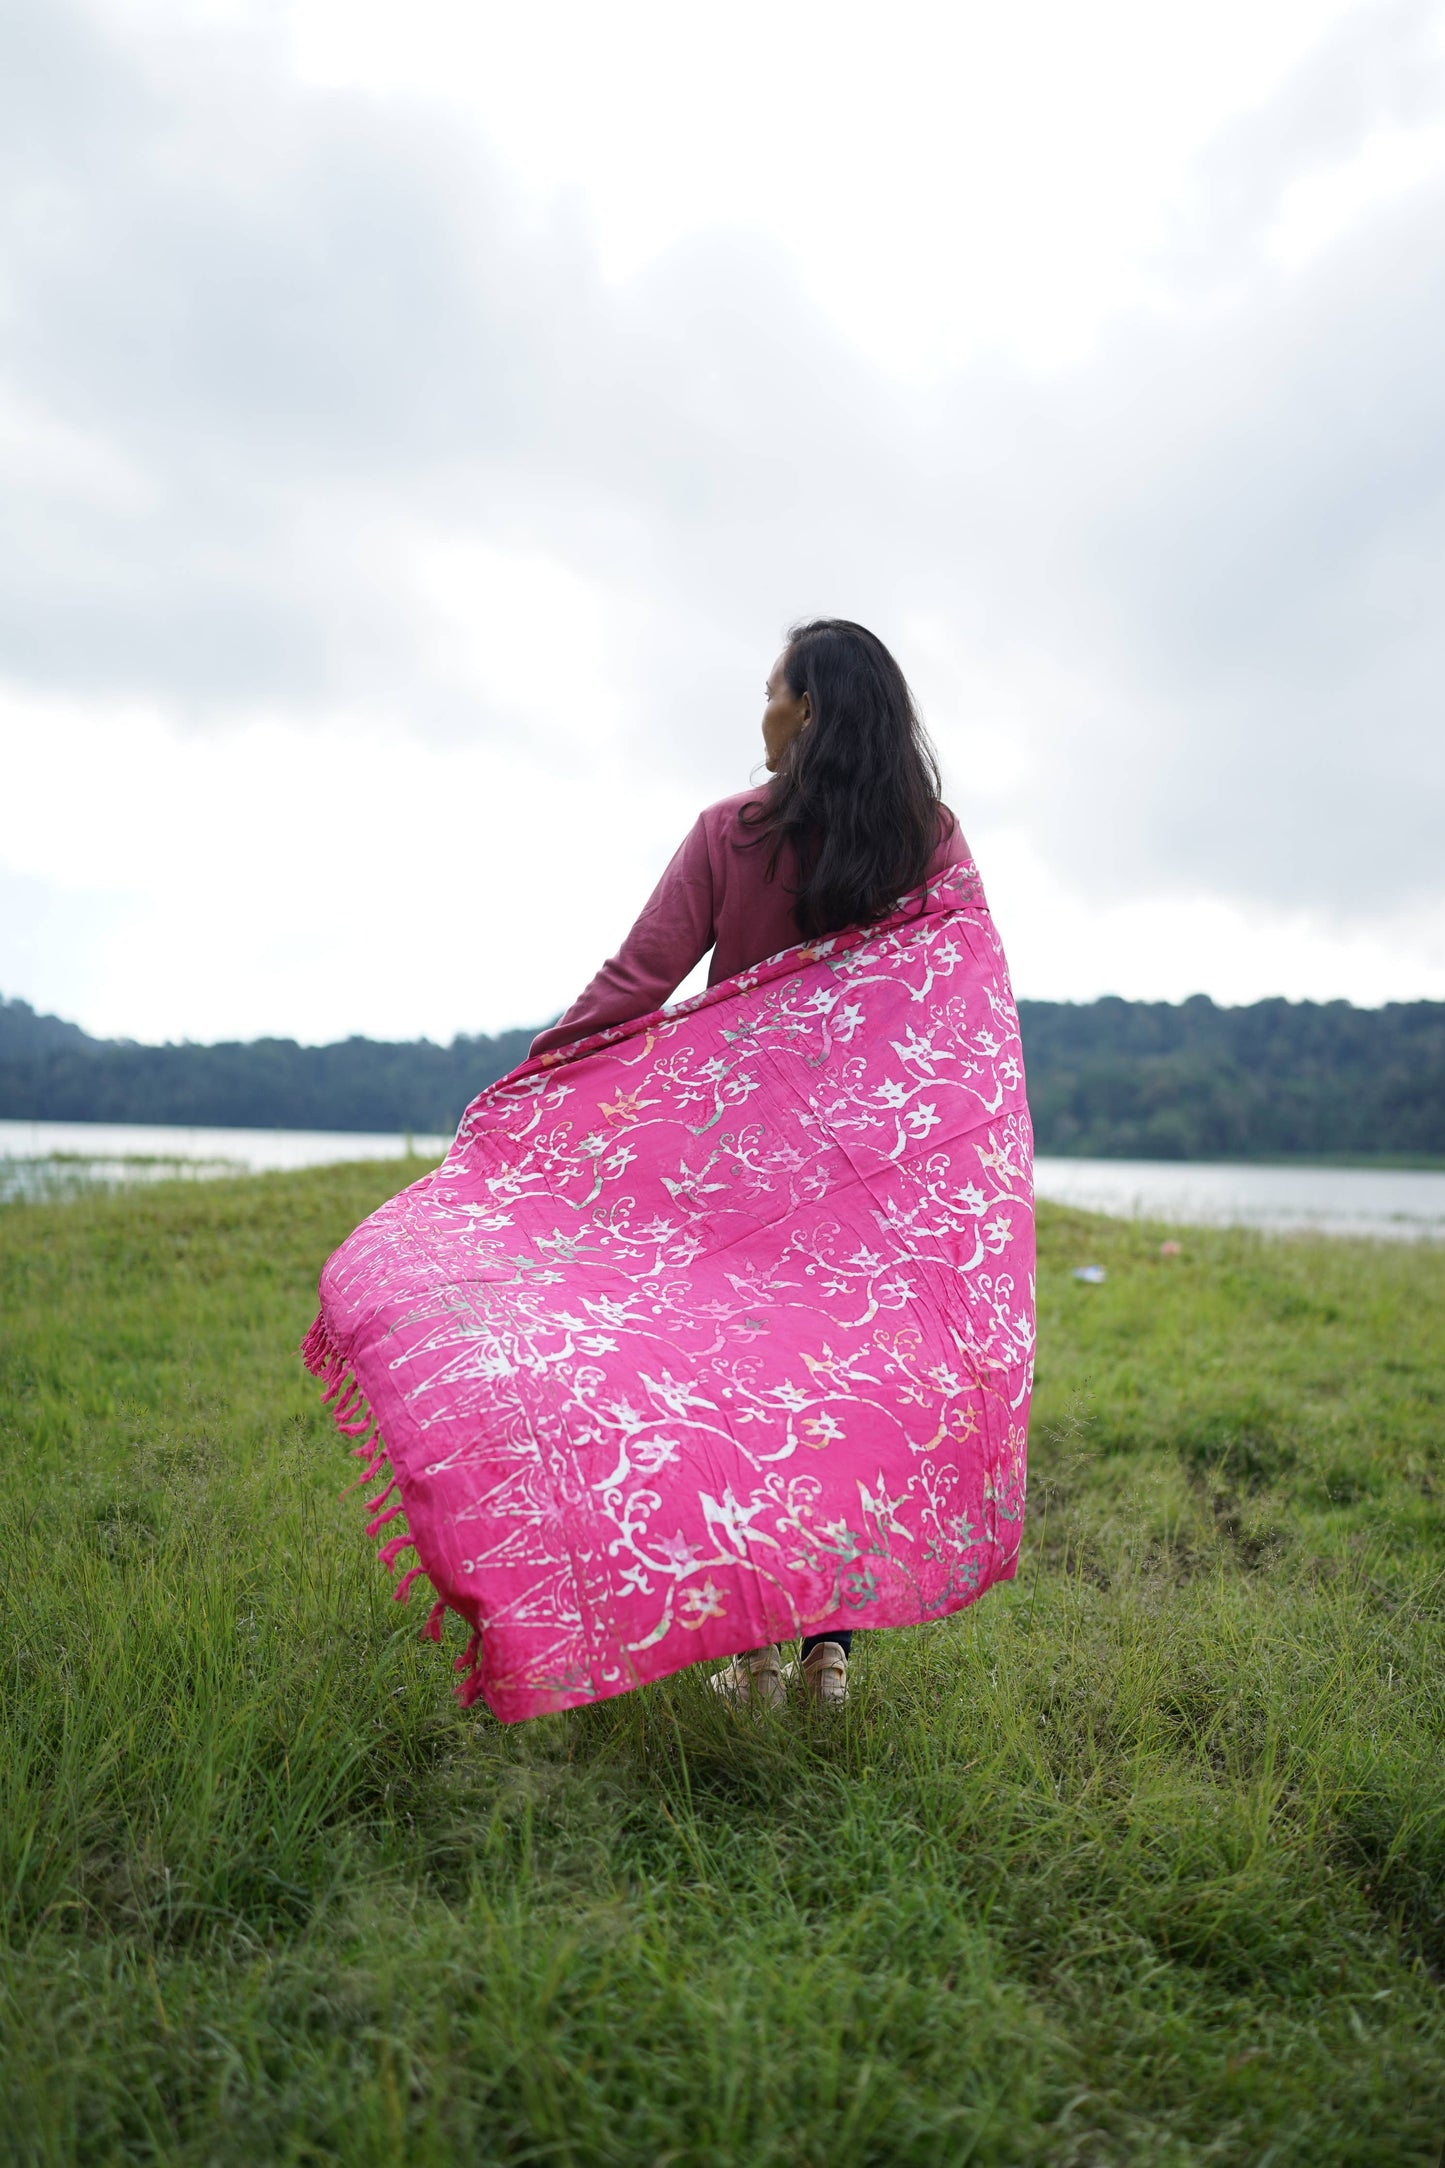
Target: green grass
x=1141 y=1860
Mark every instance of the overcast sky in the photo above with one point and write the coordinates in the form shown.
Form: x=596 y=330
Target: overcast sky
x=418 y=426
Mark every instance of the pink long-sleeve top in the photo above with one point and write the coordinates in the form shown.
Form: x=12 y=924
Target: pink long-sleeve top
x=715 y=895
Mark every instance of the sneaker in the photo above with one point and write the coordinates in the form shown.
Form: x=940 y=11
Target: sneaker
x=825 y=1675
x=754 y=1676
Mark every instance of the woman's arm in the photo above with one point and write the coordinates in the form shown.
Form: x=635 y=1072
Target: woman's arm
x=674 y=931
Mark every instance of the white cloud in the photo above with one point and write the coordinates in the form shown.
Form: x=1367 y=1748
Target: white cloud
x=416 y=432
x=1068 y=944
x=315 y=882
x=966 y=178
x=1321 y=208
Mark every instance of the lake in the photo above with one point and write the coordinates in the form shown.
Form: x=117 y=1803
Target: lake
x=1387 y=1203
x=47 y=1159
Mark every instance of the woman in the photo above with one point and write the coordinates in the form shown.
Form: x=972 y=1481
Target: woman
x=715 y=1326
x=850 y=823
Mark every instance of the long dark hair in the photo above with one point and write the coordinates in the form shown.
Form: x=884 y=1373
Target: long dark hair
x=856 y=793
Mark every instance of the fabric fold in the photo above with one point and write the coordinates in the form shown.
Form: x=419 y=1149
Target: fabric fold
x=717 y=1327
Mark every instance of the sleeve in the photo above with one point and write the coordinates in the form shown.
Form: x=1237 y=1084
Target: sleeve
x=674 y=931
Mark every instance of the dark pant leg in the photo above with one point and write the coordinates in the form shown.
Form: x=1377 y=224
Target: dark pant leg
x=844 y=1639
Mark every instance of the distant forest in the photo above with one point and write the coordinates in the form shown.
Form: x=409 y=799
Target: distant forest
x=1161 y=1080
x=54 y=1072
x=1111 y=1079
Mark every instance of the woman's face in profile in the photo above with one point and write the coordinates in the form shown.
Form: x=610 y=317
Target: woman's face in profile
x=784 y=716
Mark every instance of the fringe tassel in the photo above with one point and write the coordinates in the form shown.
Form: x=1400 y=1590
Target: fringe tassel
x=471 y=1685
x=371 y=1469
x=355 y=1418
x=316 y=1349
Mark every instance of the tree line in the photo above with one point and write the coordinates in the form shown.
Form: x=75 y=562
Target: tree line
x=54 y=1072
x=1110 y=1078
x=1190 y=1080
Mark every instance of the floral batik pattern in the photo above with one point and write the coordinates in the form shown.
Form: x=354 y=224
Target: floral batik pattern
x=715 y=1328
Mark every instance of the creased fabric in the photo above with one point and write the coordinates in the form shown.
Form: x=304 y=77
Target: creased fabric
x=714 y=1328
x=715 y=893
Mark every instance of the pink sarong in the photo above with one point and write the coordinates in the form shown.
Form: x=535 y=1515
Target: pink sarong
x=713 y=1328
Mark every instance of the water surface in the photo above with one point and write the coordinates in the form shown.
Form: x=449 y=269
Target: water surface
x=1388 y=1203
x=46 y=1159
x=49 y=1159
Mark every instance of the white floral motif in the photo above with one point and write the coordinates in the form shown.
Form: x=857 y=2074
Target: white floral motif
x=723 y=1326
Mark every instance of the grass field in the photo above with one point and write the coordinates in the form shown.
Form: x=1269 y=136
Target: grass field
x=1142 y=1860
